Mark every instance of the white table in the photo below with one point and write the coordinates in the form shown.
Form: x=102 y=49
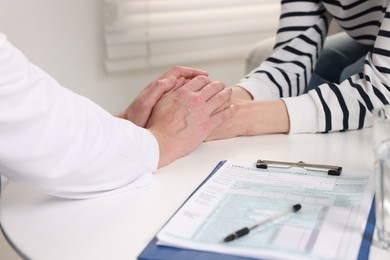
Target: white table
x=120 y=226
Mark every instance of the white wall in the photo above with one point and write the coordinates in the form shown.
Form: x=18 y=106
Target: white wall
x=64 y=37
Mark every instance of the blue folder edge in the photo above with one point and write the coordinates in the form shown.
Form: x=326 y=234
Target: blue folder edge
x=157 y=252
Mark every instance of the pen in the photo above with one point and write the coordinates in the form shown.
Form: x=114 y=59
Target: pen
x=244 y=231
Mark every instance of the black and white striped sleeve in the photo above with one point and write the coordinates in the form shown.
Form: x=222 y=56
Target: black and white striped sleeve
x=303 y=26
x=348 y=105
x=330 y=107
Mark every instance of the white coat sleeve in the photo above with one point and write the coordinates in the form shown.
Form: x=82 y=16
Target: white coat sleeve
x=62 y=143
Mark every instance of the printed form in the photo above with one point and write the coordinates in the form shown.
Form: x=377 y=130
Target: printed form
x=330 y=224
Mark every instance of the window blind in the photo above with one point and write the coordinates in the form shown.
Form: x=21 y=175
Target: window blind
x=149 y=33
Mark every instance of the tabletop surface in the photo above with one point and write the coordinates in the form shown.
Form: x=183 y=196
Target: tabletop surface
x=120 y=226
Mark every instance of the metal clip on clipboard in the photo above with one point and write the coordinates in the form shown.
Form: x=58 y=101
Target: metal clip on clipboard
x=331 y=169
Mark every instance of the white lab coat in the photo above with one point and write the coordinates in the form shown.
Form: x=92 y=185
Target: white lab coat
x=62 y=143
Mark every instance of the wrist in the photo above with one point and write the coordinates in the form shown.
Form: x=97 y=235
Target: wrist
x=164 y=153
x=262 y=117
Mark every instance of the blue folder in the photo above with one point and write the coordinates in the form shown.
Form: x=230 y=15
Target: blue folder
x=157 y=252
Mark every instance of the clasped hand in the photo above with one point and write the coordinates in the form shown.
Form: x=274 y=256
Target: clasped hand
x=181 y=109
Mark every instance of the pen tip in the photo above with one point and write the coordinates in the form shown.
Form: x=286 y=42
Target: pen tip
x=296 y=207
x=229 y=238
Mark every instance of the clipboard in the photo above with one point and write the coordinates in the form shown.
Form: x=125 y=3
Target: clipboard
x=153 y=251
x=332 y=170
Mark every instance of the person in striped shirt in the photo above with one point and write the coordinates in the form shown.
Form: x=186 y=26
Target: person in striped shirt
x=306 y=88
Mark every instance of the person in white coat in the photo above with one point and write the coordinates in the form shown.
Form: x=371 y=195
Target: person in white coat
x=59 y=142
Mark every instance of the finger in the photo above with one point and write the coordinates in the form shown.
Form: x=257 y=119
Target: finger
x=185 y=72
x=162 y=85
x=141 y=108
x=222 y=107
x=197 y=83
x=211 y=89
x=218 y=101
x=219 y=118
x=158 y=88
x=179 y=83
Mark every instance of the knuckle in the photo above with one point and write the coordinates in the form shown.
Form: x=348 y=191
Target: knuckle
x=195 y=99
x=161 y=85
x=160 y=82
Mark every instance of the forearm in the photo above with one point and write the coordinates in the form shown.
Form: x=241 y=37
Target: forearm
x=271 y=116
x=255 y=118
x=262 y=117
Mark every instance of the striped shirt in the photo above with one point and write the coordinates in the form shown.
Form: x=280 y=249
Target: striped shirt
x=303 y=27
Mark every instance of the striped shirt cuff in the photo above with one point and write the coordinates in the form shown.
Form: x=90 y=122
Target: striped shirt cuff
x=257 y=92
x=302 y=113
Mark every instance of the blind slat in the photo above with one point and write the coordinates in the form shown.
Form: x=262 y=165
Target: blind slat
x=180 y=5
x=180 y=31
x=190 y=17
x=178 y=58
x=148 y=33
x=172 y=47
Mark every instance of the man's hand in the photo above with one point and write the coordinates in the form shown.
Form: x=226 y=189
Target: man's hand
x=140 y=109
x=183 y=119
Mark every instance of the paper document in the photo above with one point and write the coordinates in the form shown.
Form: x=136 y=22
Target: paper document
x=329 y=225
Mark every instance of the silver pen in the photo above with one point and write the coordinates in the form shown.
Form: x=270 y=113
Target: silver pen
x=244 y=231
